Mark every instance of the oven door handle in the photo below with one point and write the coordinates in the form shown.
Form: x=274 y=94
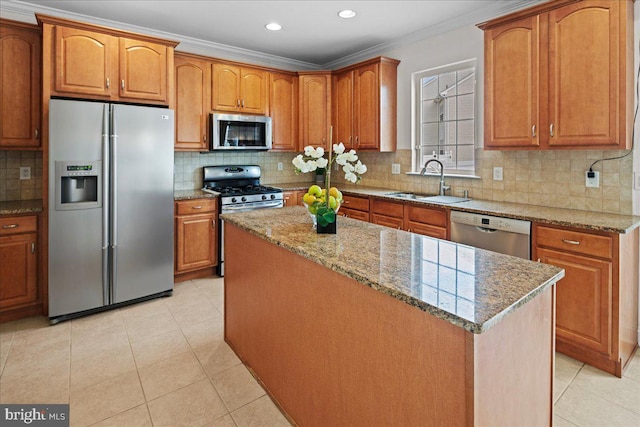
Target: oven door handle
x=227 y=208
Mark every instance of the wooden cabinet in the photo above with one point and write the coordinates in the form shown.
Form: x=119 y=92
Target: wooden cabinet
x=196 y=235
x=20 y=62
x=283 y=98
x=293 y=197
x=389 y=214
x=364 y=106
x=432 y=222
x=356 y=207
x=558 y=76
x=19 y=266
x=315 y=108
x=597 y=300
x=239 y=89
x=88 y=61
x=192 y=100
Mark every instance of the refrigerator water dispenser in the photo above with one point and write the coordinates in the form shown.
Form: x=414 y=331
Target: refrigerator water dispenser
x=78 y=185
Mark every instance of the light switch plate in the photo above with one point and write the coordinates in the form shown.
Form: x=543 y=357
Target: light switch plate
x=592 y=182
x=279 y=166
x=395 y=168
x=497 y=173
x=25 y=172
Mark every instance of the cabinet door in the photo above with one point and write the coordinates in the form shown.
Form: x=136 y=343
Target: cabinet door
x=315 y=101
x=85 y=62
x=254 y=92
x=192 y=103
x=20 y=62
x=143 y=70
x=18 y=283
x=284 y=112
x=511 y=85
x=355 y=214
x=196 y=240
x=225 y=87
x=586 y=81
x=291 y=198
x=387 y=221
x=366 y=108
x=342 y=104
x=583 y=299
x=426 y=230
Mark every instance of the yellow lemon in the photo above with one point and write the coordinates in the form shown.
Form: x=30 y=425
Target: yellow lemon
x=315 y=190
x=309 y=198
x=333 y=203
x=335 y=193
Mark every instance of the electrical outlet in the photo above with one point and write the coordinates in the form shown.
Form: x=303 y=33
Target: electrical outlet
x=592 y=179
x=279 y=166
x=497 y=173
x=25 y=172
x=395 y=168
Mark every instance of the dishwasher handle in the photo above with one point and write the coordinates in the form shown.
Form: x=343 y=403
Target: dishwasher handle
x=486 y=230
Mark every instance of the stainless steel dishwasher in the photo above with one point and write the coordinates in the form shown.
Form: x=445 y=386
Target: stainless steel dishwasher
x=504 y=235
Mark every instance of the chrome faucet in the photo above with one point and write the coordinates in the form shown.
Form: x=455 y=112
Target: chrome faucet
x=443 y=187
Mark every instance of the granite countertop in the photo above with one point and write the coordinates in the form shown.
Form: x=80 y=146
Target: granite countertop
x=14 y=207
x=192 y=194
x=595 y=221
x=471 y=288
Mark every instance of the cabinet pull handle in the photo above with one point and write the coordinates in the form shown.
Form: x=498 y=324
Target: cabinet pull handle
x=571 y=242
x=37 y=133
x=357 y=142
x=237 y=102
x=122 y=84
x=539 y=260
x=108 y=83
x=243 y=103
x=533 y=131
x=213 y=223
x=551 y=129
x=33 y=248
x=204 y=138
x=8 y=226
x=196 y=207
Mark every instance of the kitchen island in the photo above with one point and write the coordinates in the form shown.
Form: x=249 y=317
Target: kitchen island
x=376 y=326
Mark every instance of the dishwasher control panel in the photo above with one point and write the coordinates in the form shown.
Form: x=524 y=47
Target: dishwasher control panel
x=491 y=222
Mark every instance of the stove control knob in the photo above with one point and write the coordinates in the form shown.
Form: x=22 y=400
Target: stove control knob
x=233 y=200
x=273 y=196
x=264 y=197
x=244 y=199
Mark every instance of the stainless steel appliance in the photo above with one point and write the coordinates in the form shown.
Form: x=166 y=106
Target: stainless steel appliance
x=239 y=190
x=504 y=235
x=240 y=132
x=110 y=205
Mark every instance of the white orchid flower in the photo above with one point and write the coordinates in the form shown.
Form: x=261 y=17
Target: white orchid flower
x=338 y=148
x=319 y=152
x=351 y=177
x=322 y=163
x=341 y=159
x=348 y=168
x=360 y=168
x=298 y=162
x=308 y=150
x=351 y=156
x=312 y=165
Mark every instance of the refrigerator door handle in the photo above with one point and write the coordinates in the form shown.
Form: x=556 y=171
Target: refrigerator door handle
x=113 y=173
x=105 y=205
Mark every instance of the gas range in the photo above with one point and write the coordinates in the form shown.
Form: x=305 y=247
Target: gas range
x=239 y=188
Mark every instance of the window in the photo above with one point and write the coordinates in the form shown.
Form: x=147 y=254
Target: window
x=444 y=117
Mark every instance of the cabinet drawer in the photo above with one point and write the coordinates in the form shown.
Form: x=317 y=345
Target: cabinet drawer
x=387 y=221
x=197 y=206
x=575 y=241
x=355 y=202
x=17 y=224
x=352 y=213
x=427 y=230
x=429 y=216
x=391 y=209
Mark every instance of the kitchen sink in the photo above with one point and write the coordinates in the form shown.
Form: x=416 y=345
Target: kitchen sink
x=403 y=195
x=445 y=200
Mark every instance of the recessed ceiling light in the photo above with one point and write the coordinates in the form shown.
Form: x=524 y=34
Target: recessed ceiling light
x=273 y=26
x=347 y=13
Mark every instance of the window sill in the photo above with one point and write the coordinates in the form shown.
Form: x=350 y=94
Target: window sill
x=447 y=175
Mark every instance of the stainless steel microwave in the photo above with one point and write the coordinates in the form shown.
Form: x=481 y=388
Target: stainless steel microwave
x=240 y=132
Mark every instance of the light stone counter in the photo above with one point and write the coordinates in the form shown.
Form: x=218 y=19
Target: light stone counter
x=16 y=207
x=192 y=194
x=471 y=288
x=595 y=221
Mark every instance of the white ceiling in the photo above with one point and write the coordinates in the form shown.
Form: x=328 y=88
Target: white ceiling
x=312 y=32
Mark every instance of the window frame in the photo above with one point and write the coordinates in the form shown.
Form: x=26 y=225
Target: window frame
x=416 y=117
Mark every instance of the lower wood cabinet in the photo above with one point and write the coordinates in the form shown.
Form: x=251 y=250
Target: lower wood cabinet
x=356 y=207
x=19 y=296
x=389 y=214
x=432 y=222
x=293 y=197
x=196 y=236
x=597 y=300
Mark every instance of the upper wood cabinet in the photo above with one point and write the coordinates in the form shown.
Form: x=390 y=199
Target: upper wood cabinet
x=239 y=89
x=87 y=61
x=558 y=76
x=315 y=108
x=364 y=108
x=192 y=100
x=20 y=62
x=284 y=111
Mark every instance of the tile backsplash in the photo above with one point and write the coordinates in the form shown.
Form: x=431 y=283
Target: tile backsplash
x=11 y=186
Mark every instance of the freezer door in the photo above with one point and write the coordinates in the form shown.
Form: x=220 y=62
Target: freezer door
x=142 y=201
x=75 y=235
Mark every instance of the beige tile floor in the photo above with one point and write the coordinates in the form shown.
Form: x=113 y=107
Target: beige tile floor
x=165 y=363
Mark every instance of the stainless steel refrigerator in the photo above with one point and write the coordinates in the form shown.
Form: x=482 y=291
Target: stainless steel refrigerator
x=110 y=205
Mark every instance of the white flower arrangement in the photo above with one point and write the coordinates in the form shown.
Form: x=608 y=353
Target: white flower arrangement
x=313 y=159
